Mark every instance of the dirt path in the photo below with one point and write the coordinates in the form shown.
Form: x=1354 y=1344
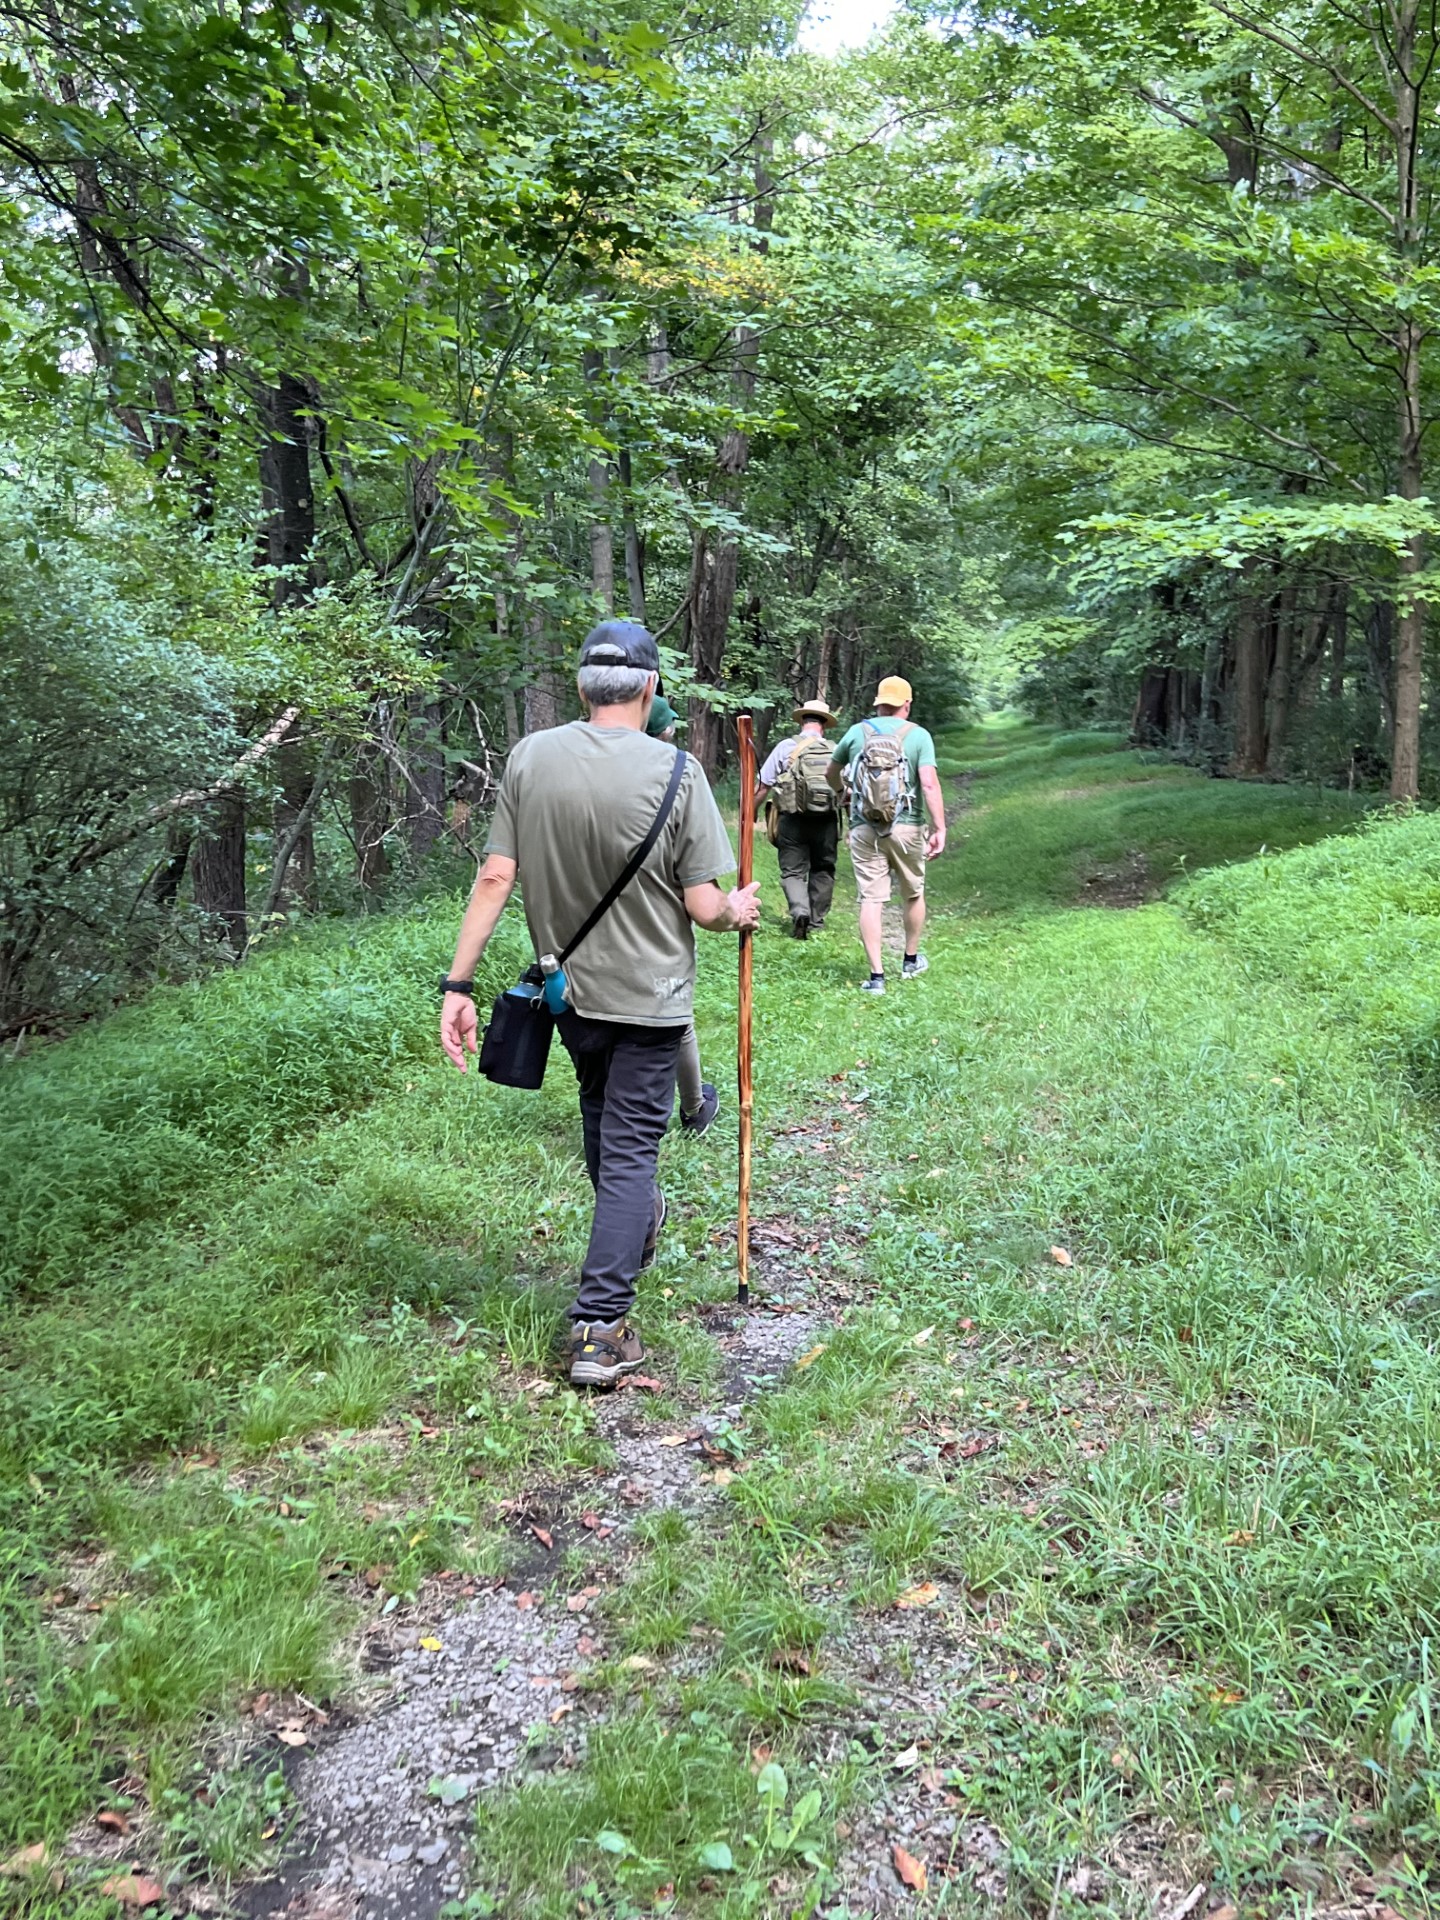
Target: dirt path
x=496 y=1690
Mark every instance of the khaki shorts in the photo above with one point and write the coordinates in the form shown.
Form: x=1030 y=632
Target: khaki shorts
x=877 y=856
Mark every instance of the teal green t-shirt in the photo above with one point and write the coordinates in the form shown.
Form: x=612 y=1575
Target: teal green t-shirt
x=919 y=751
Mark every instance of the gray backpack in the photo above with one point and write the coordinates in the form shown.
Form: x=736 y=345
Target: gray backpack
x=882 y=776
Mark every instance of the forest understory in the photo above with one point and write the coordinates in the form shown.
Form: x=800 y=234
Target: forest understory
x=1055 y=1535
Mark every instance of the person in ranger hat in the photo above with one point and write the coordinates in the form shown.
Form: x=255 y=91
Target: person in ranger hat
x=891 y=763
x=574 y=804
x=808 y=832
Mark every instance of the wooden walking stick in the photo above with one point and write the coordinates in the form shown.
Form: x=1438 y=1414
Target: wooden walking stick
x=747 y=998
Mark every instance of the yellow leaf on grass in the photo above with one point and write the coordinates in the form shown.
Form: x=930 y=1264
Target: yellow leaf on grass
x=921 y=1337
x=809 y=1359
x=910 y=1870
x=1062 y=1257
x=430 y=1643
x=28 y=1860
x=925 y=1595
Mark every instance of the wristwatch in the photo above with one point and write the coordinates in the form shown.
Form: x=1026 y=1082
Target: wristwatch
x=447 y=985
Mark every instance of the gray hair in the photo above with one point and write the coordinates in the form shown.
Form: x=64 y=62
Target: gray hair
x=611 y=686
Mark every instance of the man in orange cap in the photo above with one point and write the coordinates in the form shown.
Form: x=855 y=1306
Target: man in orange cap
x=892 y=763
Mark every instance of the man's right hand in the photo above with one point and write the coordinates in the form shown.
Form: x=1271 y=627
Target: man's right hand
x=459 y=1025
x=744 y=905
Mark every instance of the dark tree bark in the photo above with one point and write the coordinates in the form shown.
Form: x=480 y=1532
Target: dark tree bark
x=296 y=768
x=1379 y=652
x=370 y=809
x=1339 y=640
x=218 y=870
x=1247 y=756
x=426 y=761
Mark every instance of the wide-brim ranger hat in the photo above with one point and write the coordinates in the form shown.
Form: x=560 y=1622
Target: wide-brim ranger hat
x=893 y=691
x=815 y=710
x=620 y=643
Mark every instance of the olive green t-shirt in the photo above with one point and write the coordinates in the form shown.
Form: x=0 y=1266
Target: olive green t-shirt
x=573 y=806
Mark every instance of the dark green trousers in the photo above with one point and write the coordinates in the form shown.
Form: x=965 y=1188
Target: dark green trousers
x=807 y=844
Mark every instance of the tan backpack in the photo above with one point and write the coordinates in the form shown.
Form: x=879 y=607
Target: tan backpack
x=802 y=786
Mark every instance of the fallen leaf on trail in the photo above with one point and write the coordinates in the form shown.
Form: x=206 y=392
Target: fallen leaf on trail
x=591 y=1520
x=966 y=1326
x=27 y=1860
x=290 y=1736
x=543 y=1535
x=921 y=1337
x=910 y=1870
x=112 y=1821
x=722 y=1476
x=1062 y=1256
x=932 y=1779
x=639 y=1663
x=585 y=1646
x=1240 y=1538
x=133 y=1890
x=925 y=1595
x=673 y=1439
x=524 y=1601
x=760 y=1758
x=790 y=1660
x=1224 y=1913
x=645 y=1381
x=1189 y=1903
x=909 y=1758
x=809 y=1359
x=430 y=1643
x=578 y=1602
x=1226 y=1696
x=565 y=1706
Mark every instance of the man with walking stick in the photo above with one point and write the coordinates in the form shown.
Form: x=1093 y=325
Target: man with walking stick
x=575 y=805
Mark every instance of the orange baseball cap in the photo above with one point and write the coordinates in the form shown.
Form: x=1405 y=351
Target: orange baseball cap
x=893 y=692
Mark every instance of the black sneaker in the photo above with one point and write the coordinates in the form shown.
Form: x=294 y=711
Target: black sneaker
x=600 y=1355
x=800 y=926
x=709 y=1107
x=652 y=1243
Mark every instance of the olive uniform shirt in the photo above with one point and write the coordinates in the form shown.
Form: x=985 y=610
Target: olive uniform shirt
x=573 y=806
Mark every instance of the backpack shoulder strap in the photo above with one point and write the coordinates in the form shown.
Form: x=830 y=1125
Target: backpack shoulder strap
x=638 y=857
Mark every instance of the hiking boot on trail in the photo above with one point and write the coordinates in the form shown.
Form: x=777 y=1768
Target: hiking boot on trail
x=600 y=1355
x=652 y=1239
x=709 y=1106
x=914 y=965
x=800 y=926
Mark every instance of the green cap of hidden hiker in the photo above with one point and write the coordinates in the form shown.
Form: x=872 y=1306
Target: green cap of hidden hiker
x=662 y=716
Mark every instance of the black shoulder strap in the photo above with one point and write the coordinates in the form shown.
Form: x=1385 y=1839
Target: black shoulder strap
x=637 y=858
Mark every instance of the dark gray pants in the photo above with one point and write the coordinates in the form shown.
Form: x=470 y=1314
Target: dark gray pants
x=627 y=1091
x=807 y=844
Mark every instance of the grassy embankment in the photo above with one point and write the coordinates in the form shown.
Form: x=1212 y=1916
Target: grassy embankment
x=277 y=1283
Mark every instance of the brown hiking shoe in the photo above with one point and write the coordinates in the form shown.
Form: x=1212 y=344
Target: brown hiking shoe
x=599 y=1355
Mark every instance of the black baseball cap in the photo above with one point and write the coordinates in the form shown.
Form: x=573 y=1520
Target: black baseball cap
x=620 y=643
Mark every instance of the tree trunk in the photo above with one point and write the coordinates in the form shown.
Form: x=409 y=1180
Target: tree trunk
x=1380 y=657
x=827 y=663
x=425 y=800
x=1339 y=640
x=370 y=809
x=218 y=870
x=1408 y=75
x=1277 y=720
x=634 y=543
x=285 y=485
x=297 y=778
x=542 y=683
x=1247 y=756
x=602 y=534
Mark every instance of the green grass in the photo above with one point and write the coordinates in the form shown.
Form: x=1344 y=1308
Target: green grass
x=1048 y=812
x=1195 y=1565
